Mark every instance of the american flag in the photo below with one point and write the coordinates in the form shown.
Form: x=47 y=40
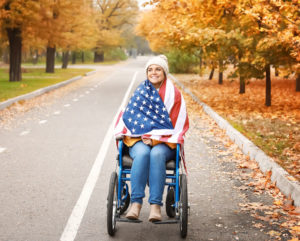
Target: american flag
x=159 y=115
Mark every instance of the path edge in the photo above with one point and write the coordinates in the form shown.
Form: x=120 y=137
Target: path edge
x=41 y=91
x=280 y=176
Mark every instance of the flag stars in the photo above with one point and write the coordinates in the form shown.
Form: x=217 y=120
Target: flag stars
x=164 y=108
x=135 y=122
x=142 y=126
x=151 y=97
x=150 y=106
x=144 y=102
x=162 y=116
x=145 y=119
x=157 y=99
x=129 y=119
x=155 y=117
x=138 y=98
x=148 y=112
x=132 y=111
x=133 y=130
x=134 y=104
x=162 y=121
x=157 y=106
x=156 y=111
x=138 y=115
x=142 y=107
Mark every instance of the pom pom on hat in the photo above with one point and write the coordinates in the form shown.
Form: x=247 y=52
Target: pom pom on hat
x=160 y=60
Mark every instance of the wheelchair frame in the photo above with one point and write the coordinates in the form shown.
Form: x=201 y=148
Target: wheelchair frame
x=118 y=198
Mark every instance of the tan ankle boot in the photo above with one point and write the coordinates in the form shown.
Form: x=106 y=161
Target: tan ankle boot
x=134 y=211
x=155 y=213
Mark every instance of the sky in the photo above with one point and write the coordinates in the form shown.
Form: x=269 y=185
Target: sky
x=141 y=2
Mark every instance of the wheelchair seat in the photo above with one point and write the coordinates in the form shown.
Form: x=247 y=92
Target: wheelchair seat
x=127 y=162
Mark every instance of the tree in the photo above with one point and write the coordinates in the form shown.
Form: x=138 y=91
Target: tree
x=16 y=19
x=112 y=18
x=229 y=32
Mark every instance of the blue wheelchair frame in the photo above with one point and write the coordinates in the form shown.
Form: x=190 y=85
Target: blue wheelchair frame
x=118 y=195
x=122 y=178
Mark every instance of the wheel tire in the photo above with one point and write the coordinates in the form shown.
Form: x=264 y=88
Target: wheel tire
x=125 y=205
x=170 y=201
x=112 y=204
x=183 y=209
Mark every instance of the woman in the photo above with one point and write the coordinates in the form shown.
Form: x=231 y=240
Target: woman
x=153 y=122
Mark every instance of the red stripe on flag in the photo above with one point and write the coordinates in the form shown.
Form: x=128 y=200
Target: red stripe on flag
x=119 y=117
x=184 y=130
x=176 y=107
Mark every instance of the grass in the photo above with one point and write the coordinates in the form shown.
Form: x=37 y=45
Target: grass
x=33 y=79
x=89 y=62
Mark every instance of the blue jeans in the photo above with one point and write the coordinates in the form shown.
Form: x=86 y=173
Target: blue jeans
x=149 y=163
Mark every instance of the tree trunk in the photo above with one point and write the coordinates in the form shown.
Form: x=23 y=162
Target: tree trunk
x=65 y=59
x=15 y=53
x=73 y=57
x=220 y=78
x=298 y=83
x=99 y=57
x=211 y=74
x=242 y=85
x=50 y=60
x=276 y=72
x=82 y=57
x=268 y=85
x=200 y=66
x=220 y=72
x=35 y=57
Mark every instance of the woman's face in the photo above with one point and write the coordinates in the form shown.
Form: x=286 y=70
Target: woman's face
x=155 y=75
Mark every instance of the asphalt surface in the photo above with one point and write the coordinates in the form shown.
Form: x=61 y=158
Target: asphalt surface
x=47 y=153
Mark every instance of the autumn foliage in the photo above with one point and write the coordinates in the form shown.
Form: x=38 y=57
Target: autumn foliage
x=61 y=25
x=252 y=35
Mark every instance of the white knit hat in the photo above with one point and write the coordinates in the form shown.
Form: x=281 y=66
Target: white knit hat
x=160 y=60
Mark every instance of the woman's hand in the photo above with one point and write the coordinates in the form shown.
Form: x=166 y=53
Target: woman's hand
x=147 y=141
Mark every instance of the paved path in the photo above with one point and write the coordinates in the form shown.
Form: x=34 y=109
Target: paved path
x=48 y=152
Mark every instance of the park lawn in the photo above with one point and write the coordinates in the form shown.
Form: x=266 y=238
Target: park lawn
x=275 y=129
x=33 y=79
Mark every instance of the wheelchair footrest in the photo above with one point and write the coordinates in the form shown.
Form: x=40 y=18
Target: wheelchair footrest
x=167 y=221
x=126 y=220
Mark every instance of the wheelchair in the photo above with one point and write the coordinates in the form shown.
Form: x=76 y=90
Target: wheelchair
x=118 y=198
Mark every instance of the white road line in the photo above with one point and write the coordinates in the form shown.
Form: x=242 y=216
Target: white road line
x=91 y=89
x=87 y=92
x=76 y=216
x=24 y=133
x=75 y=100
x=56 y=112
x=67 y=105
x=2 y=149
x=80 y=96
x=43 y=122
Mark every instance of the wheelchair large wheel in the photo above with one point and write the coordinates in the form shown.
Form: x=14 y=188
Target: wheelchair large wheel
x=183 y=206
x=112 y=202
x=170 y=201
